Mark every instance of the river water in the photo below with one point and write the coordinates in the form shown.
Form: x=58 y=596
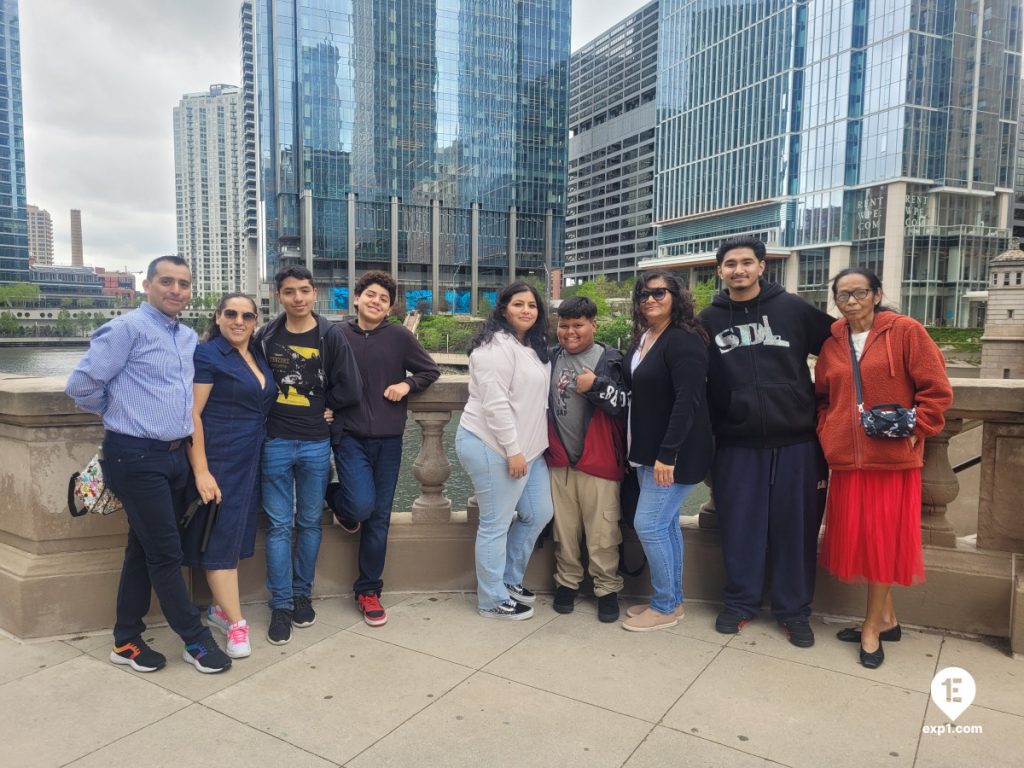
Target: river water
x=51 y=361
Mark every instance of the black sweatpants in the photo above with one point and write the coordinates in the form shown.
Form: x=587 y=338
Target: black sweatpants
x=770 y=502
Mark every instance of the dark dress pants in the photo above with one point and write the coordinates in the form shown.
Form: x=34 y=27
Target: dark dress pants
x=151 y=481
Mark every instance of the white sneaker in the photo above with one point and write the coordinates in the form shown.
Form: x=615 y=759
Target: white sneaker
x=238 y=640
x=215 y=617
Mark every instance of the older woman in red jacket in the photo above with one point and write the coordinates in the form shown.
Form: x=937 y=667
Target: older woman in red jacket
x=873 y=516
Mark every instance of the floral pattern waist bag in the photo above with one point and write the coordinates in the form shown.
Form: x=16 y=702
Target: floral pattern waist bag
x=890 y=420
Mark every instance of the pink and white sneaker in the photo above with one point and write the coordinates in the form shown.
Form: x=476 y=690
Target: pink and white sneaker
x=238 y=640
x=215 y=617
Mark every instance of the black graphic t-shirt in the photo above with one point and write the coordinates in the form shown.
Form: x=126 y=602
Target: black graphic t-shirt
x=298 y=412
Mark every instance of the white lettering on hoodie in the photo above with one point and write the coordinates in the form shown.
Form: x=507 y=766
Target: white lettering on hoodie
x=747 y=335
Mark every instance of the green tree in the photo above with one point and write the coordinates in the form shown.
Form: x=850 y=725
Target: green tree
x=614 y=332
x=443 y=333
x=595 y=291
x=9 y=325
x=703 y=293
x=65 y=323
x=19 y=294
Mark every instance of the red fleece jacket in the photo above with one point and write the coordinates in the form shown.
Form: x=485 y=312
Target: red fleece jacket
x=900 y=364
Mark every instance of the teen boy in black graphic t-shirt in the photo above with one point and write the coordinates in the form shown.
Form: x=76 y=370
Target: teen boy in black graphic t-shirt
x=313 y=367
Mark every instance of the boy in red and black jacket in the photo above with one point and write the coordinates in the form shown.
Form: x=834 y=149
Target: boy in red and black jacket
x=586 y=457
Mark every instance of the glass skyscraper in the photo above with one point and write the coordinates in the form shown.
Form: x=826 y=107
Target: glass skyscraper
x=423 y=137
x=844 y=133
x=13 y=213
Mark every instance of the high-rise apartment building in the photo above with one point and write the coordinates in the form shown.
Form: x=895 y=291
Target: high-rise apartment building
x=1018 y=178
x=209 y=184
x=77 y=256
x=424 y=137
x=13 y=216
x=611 y=150
x=250 y=191
x=40 y=235
x=853 y=133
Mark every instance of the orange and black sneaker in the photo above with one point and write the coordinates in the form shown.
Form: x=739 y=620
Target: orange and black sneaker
x=137 y=655
x=373 y=612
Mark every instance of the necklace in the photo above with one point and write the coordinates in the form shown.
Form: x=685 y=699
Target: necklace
x=648 y=341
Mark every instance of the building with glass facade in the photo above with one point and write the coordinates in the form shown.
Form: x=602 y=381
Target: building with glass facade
x=13 y=215
x=209 y=184
x=845 y=133
x=423 y=137
x=612 y=86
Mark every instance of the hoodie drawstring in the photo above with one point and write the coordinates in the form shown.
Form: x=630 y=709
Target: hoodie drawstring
x=888 y=350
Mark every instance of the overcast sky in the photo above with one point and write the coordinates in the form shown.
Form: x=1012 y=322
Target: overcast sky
x=100 y=79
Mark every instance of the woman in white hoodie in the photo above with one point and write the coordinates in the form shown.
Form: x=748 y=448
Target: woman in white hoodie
x=501 y=442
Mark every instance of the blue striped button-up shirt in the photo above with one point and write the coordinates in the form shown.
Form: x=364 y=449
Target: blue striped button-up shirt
x=137 y=375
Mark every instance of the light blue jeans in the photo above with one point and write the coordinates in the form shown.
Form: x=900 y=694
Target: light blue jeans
x=513 y=512
x=295 y=474
x=657 y=527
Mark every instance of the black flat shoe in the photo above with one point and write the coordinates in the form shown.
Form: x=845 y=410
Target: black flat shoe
x=874 y=659
x=851 y=635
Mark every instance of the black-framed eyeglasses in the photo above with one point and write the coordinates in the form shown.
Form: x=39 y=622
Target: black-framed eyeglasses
x=658 y=294
x=232 y=314
x=845 y=296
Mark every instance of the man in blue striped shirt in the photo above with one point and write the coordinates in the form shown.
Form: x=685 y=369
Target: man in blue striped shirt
x=137 y=375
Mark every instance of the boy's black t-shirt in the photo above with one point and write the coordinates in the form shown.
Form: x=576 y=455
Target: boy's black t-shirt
x=298 y=412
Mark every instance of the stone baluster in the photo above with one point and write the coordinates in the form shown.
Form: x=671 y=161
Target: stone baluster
x=432 y=468
x=939 y=487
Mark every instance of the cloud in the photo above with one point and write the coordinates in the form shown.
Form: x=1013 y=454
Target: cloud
x=100 y=79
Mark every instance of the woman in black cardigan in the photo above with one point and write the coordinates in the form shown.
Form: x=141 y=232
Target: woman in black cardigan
x=669 y=434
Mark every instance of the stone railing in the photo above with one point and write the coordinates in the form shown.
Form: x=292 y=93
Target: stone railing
x=59 y=575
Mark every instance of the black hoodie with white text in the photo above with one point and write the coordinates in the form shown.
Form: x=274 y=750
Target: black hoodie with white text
x=759 y=386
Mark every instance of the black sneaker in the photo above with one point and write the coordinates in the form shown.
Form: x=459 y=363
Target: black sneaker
x=510 y=610
x=280 y=631
x=520 y=594
x=206 y=656
x=137 y=655
x=729 y=623
x=303 y=615
x=608 y=607
x=799 y=632
x=565 y=599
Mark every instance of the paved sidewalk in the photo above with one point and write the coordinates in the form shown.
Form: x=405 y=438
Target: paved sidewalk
x=440 y=686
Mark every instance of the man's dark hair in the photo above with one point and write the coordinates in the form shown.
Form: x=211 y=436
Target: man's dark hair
x=175 y=260
x=383 y=279
x=576 y=307
x=299 y=273
x=757 y=246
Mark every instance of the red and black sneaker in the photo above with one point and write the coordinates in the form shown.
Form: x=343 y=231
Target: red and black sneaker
x=373 y=612
x=729 y=623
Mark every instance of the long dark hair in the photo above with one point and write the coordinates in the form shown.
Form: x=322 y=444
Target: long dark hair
x=536 y=337
x=682 y=305
x=213 y=331
x=873 y=283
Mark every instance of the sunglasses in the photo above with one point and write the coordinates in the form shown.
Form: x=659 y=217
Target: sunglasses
x=232 y=314
x=658 y=294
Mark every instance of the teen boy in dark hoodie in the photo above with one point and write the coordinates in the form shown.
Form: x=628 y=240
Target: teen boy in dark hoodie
x=769 y=476
x=369 y=453
x=586 y=457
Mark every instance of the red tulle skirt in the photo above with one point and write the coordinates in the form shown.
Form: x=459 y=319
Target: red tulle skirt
x=873 y=526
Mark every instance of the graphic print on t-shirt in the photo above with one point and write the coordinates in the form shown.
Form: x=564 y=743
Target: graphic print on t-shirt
x=302 y=374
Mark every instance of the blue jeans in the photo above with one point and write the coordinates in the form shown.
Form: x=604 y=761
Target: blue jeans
x=657 y=527
x=513 y=512
x=368 y=473
x=295 y=476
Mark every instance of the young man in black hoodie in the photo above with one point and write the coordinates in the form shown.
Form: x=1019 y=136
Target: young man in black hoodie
x=314 y=369
x=369 y=454
x=769 y=476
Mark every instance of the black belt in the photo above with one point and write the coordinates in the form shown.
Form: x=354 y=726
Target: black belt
x=146 y=443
